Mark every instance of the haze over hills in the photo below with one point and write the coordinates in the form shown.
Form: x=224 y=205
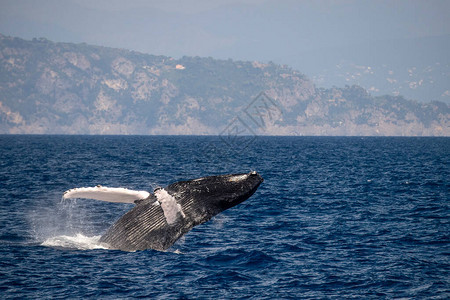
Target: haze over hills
x=48 y=87
x=416 y=68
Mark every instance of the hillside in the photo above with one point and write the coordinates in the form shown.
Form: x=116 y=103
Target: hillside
x=53 y=88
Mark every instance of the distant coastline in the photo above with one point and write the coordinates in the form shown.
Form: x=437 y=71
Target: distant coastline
x=63 y=88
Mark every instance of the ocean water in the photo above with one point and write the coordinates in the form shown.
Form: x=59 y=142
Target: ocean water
x=336 y=217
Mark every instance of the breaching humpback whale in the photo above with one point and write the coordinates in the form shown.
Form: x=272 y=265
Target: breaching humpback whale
x=158 y=220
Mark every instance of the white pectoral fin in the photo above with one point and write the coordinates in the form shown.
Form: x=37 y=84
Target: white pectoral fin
x=104 y=193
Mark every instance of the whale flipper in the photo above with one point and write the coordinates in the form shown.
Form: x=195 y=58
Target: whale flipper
x=104 y=193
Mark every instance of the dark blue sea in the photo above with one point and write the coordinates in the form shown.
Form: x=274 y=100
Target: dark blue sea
x=335 y=218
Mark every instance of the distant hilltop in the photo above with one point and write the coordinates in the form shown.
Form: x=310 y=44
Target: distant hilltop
x=63 y=88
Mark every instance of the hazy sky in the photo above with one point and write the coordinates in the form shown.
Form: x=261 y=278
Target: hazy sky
x=238 y=29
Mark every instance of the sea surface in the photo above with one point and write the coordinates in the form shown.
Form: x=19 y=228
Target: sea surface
x=335 y=218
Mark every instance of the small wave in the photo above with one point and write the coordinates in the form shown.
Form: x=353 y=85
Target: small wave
x=79 y=242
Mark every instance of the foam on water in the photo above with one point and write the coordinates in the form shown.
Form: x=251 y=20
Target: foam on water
x=78 y=241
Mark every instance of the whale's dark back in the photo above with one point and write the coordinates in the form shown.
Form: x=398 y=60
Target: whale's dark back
x=146 y=226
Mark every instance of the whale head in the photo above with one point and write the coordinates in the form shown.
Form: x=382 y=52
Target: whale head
x=207 y=196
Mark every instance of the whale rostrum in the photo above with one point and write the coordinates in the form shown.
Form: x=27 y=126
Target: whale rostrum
x=160 y=218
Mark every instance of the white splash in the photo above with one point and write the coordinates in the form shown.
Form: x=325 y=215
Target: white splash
x=104 y=193
x=172 y=210
x=79 y=241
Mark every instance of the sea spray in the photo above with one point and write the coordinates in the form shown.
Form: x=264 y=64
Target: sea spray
x=74 y=227
x=67 y=224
